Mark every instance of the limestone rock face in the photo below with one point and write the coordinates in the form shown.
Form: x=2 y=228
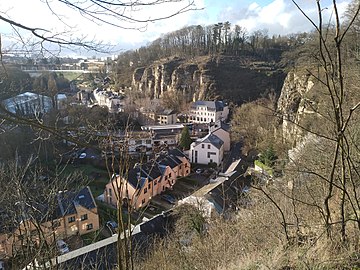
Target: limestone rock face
x=169 y=75
x=293 y=105
x=228 y=77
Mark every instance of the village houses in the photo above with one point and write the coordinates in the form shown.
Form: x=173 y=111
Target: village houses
x=147 y=180
x=73 y=213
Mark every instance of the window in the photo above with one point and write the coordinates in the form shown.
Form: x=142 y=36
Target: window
x=203 y=146
x=89 y=226
x=84 y=217
x=143 y=201
x=210 y=153
x=149 y=186
x=71 y=219
x=155 y=182
x=145 y=190
x=110 y=192
x=169 y=174
x=208 y=146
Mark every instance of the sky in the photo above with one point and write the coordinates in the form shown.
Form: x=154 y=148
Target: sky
x=276 y=16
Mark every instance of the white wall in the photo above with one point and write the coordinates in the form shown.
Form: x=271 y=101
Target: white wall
x=203 y=156
x=224 y=136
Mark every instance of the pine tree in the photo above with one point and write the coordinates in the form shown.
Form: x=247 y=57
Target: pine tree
x=185 y=139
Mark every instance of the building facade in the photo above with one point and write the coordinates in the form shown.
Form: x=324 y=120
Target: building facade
x=208 y=111
x=147 y=180
x=220 y=129
x=75 y=213
x=209 y=149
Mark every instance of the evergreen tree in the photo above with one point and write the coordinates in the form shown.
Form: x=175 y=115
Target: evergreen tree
x=185 y=139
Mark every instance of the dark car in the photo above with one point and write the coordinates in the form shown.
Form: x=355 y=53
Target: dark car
x=168 y=198
x=112 y=226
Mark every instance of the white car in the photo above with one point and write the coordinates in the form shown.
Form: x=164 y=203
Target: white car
x=199 y=171
x=62 y=246
x=82 y=155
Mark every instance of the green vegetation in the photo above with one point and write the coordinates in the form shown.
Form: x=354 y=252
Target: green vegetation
x=264 y=167
x=268 y=157
x=185 y=140
x=92 y=237
x=106 y=212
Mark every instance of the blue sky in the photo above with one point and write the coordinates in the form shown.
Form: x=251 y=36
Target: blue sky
x=276 y=16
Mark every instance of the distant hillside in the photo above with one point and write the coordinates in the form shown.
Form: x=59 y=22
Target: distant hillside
x=234 y=78
x=226 y=55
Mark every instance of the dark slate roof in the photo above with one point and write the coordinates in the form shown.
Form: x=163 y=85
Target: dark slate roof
x=219 y=124
x=211 y=105
x=176 y=152
x=166 y=112
x=167 y=161
x=152 y=170
x=213 y=139
x=136 y=177
x=68 y=200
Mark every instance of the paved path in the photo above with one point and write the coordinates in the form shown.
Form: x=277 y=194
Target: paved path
x=207 y=188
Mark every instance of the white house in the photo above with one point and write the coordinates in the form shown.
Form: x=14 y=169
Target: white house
x=220 y=129
x=108 y=99
x=208 y=111
x=207 y=150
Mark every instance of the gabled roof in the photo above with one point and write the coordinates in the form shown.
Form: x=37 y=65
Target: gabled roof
x=166 y=112
x=176 y=152
x=69 y=200
x=168 y=161
x=211 y=138
x=156 y=168
x=151 y=169
x=211 y=105
x=136 y=177
x=219 y=125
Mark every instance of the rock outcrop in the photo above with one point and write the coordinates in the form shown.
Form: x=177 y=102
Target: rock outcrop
x=294 y=105
x=235 y=79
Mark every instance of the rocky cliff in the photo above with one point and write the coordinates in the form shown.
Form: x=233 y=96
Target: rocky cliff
x=235 y=79
x=296 y=102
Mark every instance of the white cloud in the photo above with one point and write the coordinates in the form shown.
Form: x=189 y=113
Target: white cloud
x=35 y=13
x=278 y=17
x=281 y=16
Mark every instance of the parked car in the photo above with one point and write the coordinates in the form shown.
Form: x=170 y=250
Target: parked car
x=168 y=198
x=213 y=180
x=112 y=226
x=62 y=246
x=82 y=155
x=198 y=171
